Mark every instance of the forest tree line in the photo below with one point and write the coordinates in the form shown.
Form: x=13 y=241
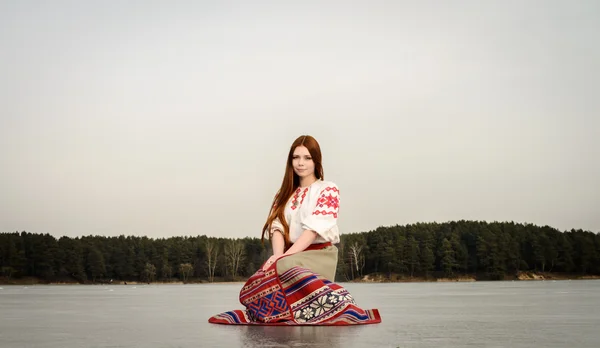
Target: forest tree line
x=451 y=249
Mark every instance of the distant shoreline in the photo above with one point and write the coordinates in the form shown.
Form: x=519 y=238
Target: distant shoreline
x=367 y=279
x=521 y=276
x=37 y=281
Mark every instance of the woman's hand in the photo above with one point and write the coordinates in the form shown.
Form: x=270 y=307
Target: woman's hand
x=271 y=261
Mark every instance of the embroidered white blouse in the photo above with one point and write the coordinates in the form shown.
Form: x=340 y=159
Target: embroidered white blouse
x=313 y=208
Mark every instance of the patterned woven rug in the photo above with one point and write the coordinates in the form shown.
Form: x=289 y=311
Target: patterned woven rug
x=297 y=297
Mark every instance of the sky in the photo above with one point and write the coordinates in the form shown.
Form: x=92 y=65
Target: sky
x=174 y=118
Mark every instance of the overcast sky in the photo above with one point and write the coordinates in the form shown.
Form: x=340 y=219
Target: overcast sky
x=174 y=118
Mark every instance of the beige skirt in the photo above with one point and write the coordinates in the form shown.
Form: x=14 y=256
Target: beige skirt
x=322 y=261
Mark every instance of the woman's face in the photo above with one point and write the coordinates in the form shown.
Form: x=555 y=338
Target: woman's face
x=302 y=162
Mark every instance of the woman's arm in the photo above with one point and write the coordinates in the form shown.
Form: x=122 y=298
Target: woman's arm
x=306 y=238
x=278 y=243
x=302 y=243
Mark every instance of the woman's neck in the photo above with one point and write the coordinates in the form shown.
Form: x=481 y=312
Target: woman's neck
x=307 y=181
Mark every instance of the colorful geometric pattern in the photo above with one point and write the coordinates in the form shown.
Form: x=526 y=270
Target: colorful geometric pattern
x=297 y=297
x=263 y=297
x=328 y=202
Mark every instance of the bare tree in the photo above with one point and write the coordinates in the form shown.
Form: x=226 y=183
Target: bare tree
x=234 y=254
x=357 y=258
x=149 y=272
x=186 y=269
x=211 y=258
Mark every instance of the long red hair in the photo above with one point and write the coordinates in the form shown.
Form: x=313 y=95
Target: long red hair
x=291 y=181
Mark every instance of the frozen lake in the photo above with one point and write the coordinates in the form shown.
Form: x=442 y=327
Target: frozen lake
x=478 y=314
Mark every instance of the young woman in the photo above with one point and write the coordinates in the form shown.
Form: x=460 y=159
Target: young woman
x=295 y=286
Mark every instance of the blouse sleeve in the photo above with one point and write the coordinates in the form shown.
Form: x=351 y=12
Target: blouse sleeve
x=275 y=226
x=323 y=217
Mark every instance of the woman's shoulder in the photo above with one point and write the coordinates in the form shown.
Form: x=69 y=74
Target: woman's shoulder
x=326 y=185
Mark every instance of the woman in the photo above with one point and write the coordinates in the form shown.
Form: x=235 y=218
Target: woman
x=295 y=286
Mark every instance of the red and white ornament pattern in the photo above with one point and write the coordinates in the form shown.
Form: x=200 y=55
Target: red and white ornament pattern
x=328 y=202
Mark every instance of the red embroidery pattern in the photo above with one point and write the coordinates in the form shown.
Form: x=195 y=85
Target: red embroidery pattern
x=295 y=203
x=328 y=202
x=303 y=195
